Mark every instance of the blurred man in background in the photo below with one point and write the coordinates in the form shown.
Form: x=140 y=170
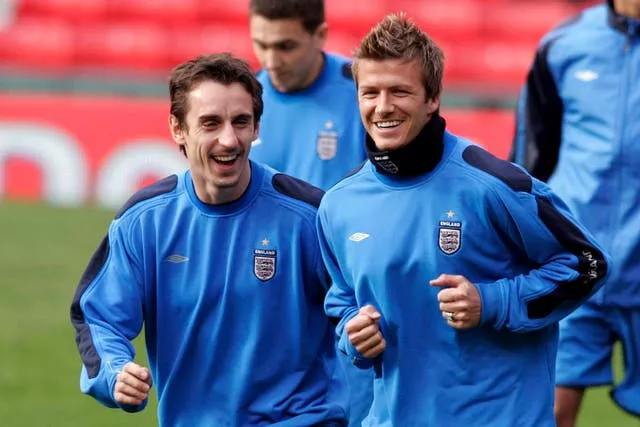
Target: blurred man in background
x=578 y=127
x=311 y=128
x=434 y=226
x=221 y=265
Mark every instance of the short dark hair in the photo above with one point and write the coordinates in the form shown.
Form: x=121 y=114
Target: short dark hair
x=398 y=37
x=310 y=12
x=223 y=68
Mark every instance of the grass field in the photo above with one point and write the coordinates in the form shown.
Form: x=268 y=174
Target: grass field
x=43 y=252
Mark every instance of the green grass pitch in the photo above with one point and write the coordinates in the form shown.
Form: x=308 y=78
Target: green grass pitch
x=43 y=251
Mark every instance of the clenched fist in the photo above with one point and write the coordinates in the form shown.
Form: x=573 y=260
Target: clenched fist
x=364 y=332
x=132 y=385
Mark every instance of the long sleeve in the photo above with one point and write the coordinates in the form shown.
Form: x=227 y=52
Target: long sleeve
x=567 y=264
x=536 y=143
x=107 y=314
x=340 y=303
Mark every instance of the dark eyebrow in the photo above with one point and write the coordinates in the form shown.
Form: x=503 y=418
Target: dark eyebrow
x=277 y=43
x=247 y=117
x=208 y=117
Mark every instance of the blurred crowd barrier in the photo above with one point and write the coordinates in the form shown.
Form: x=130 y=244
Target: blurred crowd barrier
x=74 y=150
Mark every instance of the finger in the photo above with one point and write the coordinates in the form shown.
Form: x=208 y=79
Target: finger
x=451 y=280
x=137 y=371
x=132 y=381
x=450 y=295
x=124 y=389
x=364 y=334
x=358 y=323
x=124 y=399
x=370 y=311
x=369 y=343
x=375 y=351
x=453 y=306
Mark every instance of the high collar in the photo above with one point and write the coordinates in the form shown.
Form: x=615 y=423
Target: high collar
x=417 y=157
x=621 y=22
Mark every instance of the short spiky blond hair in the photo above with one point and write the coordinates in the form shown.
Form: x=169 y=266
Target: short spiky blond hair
x=398 y=37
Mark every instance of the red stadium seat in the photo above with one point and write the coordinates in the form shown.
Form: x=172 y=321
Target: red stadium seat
x=136 y=46
x=225 y=11
x=189 y=43
x=38 y=43
x=355 y=16
x=174 y=12
x=450 y=19
x=528 y=20
x=69 y=10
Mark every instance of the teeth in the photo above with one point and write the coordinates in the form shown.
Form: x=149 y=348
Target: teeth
x=225 y=158
x=389 y=124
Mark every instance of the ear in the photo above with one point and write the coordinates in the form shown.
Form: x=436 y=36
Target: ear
x=177 y=133
x=433 y=104
x=321 y=34
x=256 y=130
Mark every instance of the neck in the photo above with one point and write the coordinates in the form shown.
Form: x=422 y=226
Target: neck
x=212 y=193
x=627 y=8
x=315 y=71
x=419 y=156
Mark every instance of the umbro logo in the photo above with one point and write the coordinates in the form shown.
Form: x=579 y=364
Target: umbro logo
x=586 y=75
x=358 y=237
x=176 y=259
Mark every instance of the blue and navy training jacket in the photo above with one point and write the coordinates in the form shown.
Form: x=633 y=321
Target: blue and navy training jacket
x=578 y=127
x=314 y=134
x=231 y=300
x=383 y=238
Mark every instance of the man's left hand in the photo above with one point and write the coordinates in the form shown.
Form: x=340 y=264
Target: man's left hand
x=459 y=302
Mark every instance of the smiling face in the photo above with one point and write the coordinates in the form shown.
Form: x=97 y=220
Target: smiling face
x=217 y=134
x=393 y=101
x=291 y=55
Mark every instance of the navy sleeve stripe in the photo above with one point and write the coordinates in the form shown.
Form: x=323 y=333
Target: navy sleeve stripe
x=297 y=189
x=87 y=349
x=505 y=171
x=592 y=266
x=165 y=185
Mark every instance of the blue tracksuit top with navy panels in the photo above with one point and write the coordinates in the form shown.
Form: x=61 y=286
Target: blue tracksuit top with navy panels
x=231 y=300
x=383 y=238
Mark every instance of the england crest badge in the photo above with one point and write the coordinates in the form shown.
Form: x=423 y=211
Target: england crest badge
x=327 y=144
x=264 y=264
x=450 y=236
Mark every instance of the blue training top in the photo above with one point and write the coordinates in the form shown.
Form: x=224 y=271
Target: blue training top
x=384 y=238
x=314 y=134
x=230 y=297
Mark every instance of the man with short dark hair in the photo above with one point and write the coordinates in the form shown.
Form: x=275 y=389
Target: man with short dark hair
x=221 y=266
x=311 y=128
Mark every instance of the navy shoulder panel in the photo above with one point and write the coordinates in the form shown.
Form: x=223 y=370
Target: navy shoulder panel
x=505 y=171
x=347 y=72
x=165 y=185
x=355 y=170
x=297 y=189
x=84 y=340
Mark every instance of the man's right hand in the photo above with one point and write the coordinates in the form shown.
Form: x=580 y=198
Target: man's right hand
x=132 y=385
x=364 y=332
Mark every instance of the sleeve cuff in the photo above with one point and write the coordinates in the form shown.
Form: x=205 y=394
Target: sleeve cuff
x=493 y=302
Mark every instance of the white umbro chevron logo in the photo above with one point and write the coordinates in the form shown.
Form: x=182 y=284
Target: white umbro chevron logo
x=586 y=75
x=357 y=237
x=176 y=259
